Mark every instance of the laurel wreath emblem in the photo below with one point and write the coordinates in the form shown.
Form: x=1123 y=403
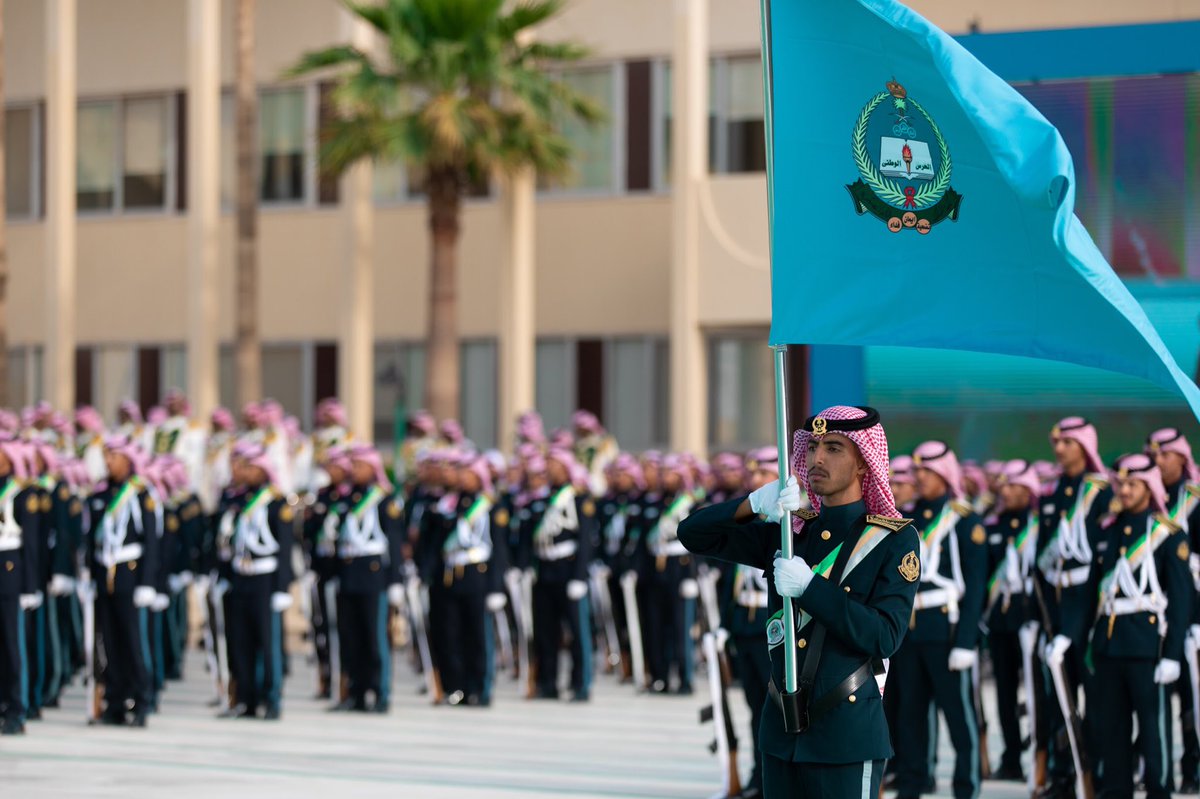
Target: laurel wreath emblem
x=890 y=191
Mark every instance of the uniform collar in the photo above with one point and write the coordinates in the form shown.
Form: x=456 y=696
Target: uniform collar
x=843 y=516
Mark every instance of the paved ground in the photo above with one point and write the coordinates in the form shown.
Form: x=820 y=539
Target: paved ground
x=620 y=745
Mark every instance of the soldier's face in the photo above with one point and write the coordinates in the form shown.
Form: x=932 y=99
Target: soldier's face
x=255 y=475
x=1134 y=495
x=558 y=473
x=536 y=480
x=930 y=484
x=834 y=464
x=363 y=473
x=336 y=474
x=6 y=466
x=1070 y=455
x=622 y=482
x=760 y=478
x=118 y=466
x=468 y=482
x=904 y=492
x=1171 y=465
x=672 y=482
x=651 y=478
x=1015 y=497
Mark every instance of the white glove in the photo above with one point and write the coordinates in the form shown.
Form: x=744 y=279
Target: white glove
x=62 y=585
x=1057 y=648
x=203 y=583
x=962 y=659
x=143 y=596
x=792 y=576
x=161 y=603
x=496 y=602
x=770 y=502
x=187 y=577
x=86 y=589
x=689 y=589
x=1194 y=632
x=31 y=601
x=174 y=583
x=396 y=597
x=280 y=601
x=576 y=590
x=1166 y=672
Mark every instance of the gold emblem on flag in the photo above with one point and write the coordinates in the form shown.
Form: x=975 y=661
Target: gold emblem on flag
x=820 y=426
x=910 y=567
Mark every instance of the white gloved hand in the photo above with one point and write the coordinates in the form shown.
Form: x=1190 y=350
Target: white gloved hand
x=31 y=601
x=496 y=602
x=187 y=577
x=220 y=588
x=1057 y=648
x=576 y=590
x=161 y=603
x=143 y=596
x=280 y=601
x=1166 y=672
x=1194 y=632
x=396 y=596
x=792 y=576
x=962 y=659
x=174 y=583
x=62 y=585
x=203 y=583
x=770 y=502
x=86 y=590
x=689 y=589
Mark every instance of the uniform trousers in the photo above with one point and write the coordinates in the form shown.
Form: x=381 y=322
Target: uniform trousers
x=1128 y=689
x=461 y=638
x=124 y=635
x=363 y=644
x=14 y=670
x=255 y=639
x=753 y=666
x=785 y=780
x=1005 y=650
x=552 y=609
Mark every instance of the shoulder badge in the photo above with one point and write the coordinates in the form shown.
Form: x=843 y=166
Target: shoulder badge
x=502 y=517
x=1193 y=489
x=172 y=523
x=1097 y=480
x=978 y=535
x=45 y=503
x=148 y=501
x=910 y=567
x=76 y=507
x=64 y=492
x=32 y=504
x=1183 y=550
x=393 y=510
x=806 y=514
x=588 y=508
x=1169 y=523
x=961 y=508
x=286 y=514
x=893 y=524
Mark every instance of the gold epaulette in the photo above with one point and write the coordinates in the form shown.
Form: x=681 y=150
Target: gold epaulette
x=961 y=508
x=1097 y=479
x=895 y=524
x=806 y=514
x=1193 y=489
x=1167 y=522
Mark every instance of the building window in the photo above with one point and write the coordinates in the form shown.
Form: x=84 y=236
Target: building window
x=282 y=126
x=636 y=392
x=146 y=152
x=478 y=391
x=22 y=159
x=554 y=383
x=741 y=411
x=595 y=158
x=96 y=160
x=399 y=388
x=736 y=95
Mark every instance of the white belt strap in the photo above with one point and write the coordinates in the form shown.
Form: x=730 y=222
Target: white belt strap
x=253 y=567
x=110 y=558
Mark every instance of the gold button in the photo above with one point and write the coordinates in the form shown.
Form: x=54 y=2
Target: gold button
x=133 y=565
x=1123 y=549
x=800 y=644
x=1070 y=492
x=1015 y=524
x=1152 y=620
x=1128 y=530
x=928 y=514
x=8 y=566
x=945 y=610
x=825 y=535
x=846 y=588
x=374 y=566
x=853 y=699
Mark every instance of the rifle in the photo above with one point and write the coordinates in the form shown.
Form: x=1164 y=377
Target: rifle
x=1066 y=700
x=725 y=743
x=87 y=601
x=634 y=621
x=516 y=600
x=531 y=672
x=598 y=577
x=985 y=764
x=416 y=610
x=1028 y=635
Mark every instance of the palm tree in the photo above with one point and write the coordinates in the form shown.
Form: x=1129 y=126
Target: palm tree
x=248 y=347
x=462 y=91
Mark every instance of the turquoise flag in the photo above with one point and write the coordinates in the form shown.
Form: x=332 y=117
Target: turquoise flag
x=918 y=200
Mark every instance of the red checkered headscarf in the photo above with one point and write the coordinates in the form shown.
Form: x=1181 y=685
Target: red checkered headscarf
x=872 y=444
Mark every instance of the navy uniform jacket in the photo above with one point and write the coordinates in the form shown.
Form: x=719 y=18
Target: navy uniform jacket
x=618 y=522
x=933 y=624
x=319 y=546
x=1139 y=634
x=866 y=617
x=573 y=531
x=1070 y=607
x=139 y=531
x=440 y=545
x=1183 y=501
x=361 y=572
x=1007 y=615
x=68 y=534
x=656 y=537
x=19 y=555
x=245 y=544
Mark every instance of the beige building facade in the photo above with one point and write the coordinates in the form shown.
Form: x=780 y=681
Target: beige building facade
x=605 y=249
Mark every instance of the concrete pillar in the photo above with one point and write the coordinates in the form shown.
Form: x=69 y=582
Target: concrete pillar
x=518 y=343
x=203 y=202
x=59 y=367
x=689 y=167
x=356 y=337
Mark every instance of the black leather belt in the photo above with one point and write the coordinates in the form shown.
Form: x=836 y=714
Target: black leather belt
x=832 y=698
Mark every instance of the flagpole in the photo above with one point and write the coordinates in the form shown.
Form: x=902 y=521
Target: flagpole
x=785 y=528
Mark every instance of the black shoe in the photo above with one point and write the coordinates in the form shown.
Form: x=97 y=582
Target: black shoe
x=580 y=696
x=113 y=718
x=138 y=720
x=1189 y=786
x=12 y=726
x=930 y=786
x=51 y=702
x=272 y=713
x=382 y=708
x=546 y=693
x=685 y=690
x=1008 y=772
x=33 y=714
x=350 y=704
x=236 y=712
x=750 y=793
